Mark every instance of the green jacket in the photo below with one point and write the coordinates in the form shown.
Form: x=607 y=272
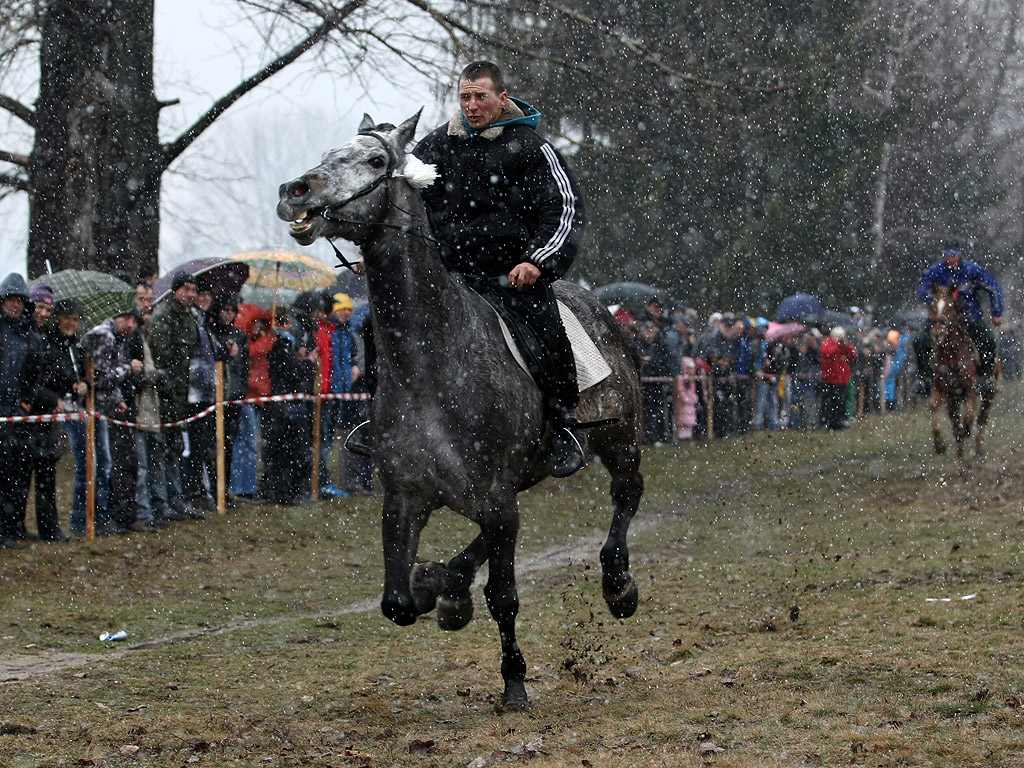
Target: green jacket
x=172 y=336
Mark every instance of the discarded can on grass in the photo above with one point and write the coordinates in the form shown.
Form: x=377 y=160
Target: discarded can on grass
x=106 y=637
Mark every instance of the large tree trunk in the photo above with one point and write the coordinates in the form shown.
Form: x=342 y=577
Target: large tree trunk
x=91 y=203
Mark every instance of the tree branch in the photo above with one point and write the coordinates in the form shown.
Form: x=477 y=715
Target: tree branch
x=15 y=182
x=650 y=57
x=26 y=114
x=14 y=158
x=450 y=23
x=174 y=149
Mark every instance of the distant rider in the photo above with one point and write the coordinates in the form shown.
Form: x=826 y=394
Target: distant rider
x=509 y=216
x=966 y=278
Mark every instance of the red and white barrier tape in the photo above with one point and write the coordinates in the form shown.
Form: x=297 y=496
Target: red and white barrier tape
x=79 y=415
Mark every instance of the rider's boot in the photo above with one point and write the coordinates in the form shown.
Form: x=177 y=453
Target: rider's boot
x=568 y=446
x=987 y=386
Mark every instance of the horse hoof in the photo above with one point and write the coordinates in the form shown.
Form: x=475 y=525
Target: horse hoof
x=426 y=583
x=623 y=603
x=402 y=612
x=515 y=699
x=454 y=613
x=940 y=448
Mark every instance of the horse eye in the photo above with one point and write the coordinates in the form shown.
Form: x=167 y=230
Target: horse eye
x=377 y=162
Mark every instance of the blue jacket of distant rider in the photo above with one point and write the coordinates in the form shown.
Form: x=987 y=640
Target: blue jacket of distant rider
x=967 y=279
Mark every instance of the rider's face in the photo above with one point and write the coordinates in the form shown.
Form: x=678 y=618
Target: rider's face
x=481 y=104
x=953 y=260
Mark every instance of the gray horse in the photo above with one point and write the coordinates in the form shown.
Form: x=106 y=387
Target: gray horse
x=456 y=422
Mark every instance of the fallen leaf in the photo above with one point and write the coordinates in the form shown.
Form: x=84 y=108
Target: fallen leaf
x=129 y=750
x=420 y=746
x=478 y=762
x=709 y=748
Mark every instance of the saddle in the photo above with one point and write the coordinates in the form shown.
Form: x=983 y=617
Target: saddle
x=526 y=350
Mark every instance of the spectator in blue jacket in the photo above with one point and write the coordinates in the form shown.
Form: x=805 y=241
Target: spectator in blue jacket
x=967 y=278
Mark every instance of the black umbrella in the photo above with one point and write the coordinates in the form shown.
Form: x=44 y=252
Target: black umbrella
x=226 y=276
x=631 y=294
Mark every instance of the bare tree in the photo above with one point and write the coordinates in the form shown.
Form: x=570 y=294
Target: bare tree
x=93 y=175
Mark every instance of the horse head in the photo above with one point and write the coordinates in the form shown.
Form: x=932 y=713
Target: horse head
x=942 y=311
x=349 y=194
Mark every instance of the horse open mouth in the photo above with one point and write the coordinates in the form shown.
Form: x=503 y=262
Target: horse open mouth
x=303 y=222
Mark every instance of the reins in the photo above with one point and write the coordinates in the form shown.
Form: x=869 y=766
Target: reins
x=330 y=214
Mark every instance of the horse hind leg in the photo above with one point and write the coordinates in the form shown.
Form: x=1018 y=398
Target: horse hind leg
x=979 y=440
x=617 y=583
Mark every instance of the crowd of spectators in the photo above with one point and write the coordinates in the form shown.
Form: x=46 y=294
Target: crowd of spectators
x=155 y=366
x=735 y=373
x=154 y=380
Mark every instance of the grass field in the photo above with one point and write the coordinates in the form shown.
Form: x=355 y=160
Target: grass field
x=806 y=599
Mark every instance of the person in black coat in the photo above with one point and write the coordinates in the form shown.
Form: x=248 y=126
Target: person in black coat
x=221 y=322
x=20 y=363
x=508 y=214
x=655 y=361
x=287 y=436
x=62 y=380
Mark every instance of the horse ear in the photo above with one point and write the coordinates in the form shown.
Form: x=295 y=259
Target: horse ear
x=407 y=130
x=366 y=124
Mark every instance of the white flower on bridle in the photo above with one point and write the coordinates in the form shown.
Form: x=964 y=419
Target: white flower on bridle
x=417 y=173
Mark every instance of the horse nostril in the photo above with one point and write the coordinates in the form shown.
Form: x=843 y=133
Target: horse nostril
x=300 y=190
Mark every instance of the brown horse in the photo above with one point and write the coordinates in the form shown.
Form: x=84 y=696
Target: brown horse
x=954 y=374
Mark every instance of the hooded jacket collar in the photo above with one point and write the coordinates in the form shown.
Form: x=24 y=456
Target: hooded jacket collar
x=516 y=112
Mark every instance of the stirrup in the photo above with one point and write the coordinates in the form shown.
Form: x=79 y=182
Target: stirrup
x=576 y=459
x=354 y=446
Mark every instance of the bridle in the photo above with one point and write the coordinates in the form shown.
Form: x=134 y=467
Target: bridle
x=330 y=212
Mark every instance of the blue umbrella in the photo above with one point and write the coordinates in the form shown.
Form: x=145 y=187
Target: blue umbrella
x=799 y=306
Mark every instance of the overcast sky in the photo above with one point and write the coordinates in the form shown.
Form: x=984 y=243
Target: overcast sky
x=219 y=196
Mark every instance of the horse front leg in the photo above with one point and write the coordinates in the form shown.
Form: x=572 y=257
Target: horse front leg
x=953 y=403
x=402 y=522
x=933 y=405
x=617 y=583
x=500 y=531
x=446 y=587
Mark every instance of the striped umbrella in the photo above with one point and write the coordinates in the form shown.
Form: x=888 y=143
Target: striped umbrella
x=100 y=295
x=277 y=268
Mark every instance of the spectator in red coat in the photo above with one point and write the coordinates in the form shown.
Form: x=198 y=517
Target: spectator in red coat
x=836 y=356
x=245 y=455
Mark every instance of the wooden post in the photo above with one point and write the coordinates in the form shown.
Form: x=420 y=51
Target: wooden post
x=90 y=452
x=710 y=395
x=221 y=459
x=318 y=381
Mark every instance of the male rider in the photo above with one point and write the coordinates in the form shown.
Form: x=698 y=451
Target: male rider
x=509 y=216
x=966 y=278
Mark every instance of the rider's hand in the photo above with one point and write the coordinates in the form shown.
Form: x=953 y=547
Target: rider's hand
x=523 y=274
x=997 y=321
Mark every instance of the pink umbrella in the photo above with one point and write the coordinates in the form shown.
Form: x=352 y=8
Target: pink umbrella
x=777 y=331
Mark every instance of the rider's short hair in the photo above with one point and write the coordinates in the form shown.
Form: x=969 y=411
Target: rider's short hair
x=479 y=69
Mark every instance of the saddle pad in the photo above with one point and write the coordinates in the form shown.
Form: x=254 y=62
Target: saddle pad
x=591 y=367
